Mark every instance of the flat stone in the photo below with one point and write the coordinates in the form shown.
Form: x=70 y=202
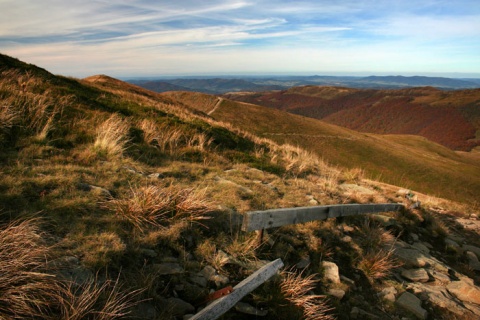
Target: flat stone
x=464 y=291
x=350 y=187
x=313 y=202
x=198 y=279
x=416 y=275
x=208 y=272
x=167 y=268
x=388 y=294
x=473 y=249
x=331 y=271
x=246 y=308
x=421 y=247
x=415 y=237
x=412 y=304
x=473 y=260
x=178 y=307
x=414 y=258
x=337 y=293
x=303 y=263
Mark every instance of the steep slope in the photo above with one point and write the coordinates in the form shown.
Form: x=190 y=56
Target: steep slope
x=450 y=118
x=407 y=160
x=119 y=202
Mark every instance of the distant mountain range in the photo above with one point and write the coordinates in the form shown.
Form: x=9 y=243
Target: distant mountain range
x=258 y=84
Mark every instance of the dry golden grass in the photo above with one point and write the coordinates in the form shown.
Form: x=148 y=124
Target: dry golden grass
x=111 y=136
x=157 y=207
x=371 y=235
x=26 y=291
x=8 y=116
x=93 y=300
x=378 y=264
x=297 y=290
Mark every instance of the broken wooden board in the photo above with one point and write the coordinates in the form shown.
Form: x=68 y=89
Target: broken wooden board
x=225 y=303
x=257 y=220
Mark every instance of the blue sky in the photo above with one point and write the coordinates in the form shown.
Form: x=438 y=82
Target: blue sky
x=199 y=37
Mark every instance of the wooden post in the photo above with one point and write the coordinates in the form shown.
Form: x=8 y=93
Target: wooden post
x=257 y=220
x=222 y=305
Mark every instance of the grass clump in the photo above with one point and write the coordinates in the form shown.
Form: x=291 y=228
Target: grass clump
x=26 y=290
x=111 y=137
x=297 y=290
x=378 y=264
x=157 y=207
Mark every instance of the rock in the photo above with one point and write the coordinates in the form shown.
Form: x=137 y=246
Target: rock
x=220 y=280
x=412 y=304
x=145 y=310
x=348 y=281
x=167 y=268
x=413 y=258
x=415 y=237
x=473 y=249
x=337 y=293
x=249 y=309
x=97 y=190
x=198 y=279
x=416 y=275
x=464 y=291
x=473 y=260
x=313 y=202
x=331 y=271
x=346 y=239
x=440 y=277
x=303 y=263
x=388 y=294
x=472 y=225
x=210 y=274
x=156 y=175
x=244 y=191
x=178 y=307
x=473 y=216
x=421 y=247
x=191 y=293
x=354 y=313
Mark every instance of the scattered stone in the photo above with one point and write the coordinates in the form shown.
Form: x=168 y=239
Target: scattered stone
x=440 y=277
x=145 y=311
x=198 y=279
x=346 y=239
x=348 y=281
x=246 y=308
x=178 y=307
x=388 y=294
x=415 y=237
x=464 y=291
x=421 y=247
x=313 y=202
x=415 y=205
x=473 y=216
x=156 y=175
x=95 y=189
x=412 y=304
x=331 y=271
x=416 y=275
x=473 y=249
x=149 y=253
x=243 y=190
x=473 y=260
x=354 y=313
x=167 y=268
x=210 y=274
x=337 y=293
x=303 y=263
x=413 y=258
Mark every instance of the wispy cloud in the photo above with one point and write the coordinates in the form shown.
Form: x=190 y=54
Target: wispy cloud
x=136 y=37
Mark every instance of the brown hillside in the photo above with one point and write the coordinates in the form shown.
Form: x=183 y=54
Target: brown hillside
x=451 y=118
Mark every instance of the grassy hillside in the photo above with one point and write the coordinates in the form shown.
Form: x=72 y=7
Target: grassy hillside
x=411 y=161
x=118 y=202
x=450 y=118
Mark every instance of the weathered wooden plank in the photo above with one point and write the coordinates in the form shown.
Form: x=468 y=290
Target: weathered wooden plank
x=222 y=305
x=257 y=220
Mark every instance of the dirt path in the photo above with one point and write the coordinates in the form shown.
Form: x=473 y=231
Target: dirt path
x=220 y=100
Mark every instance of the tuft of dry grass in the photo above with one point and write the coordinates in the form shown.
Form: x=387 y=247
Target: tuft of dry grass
x=111 y=136
x=379 y=264
x=8 y=116
x=93 y=300
x=157 y=206
x=296 y=290
x=371 y=235
x=26 y=291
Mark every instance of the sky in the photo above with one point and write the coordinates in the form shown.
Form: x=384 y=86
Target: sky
x=135 y=38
